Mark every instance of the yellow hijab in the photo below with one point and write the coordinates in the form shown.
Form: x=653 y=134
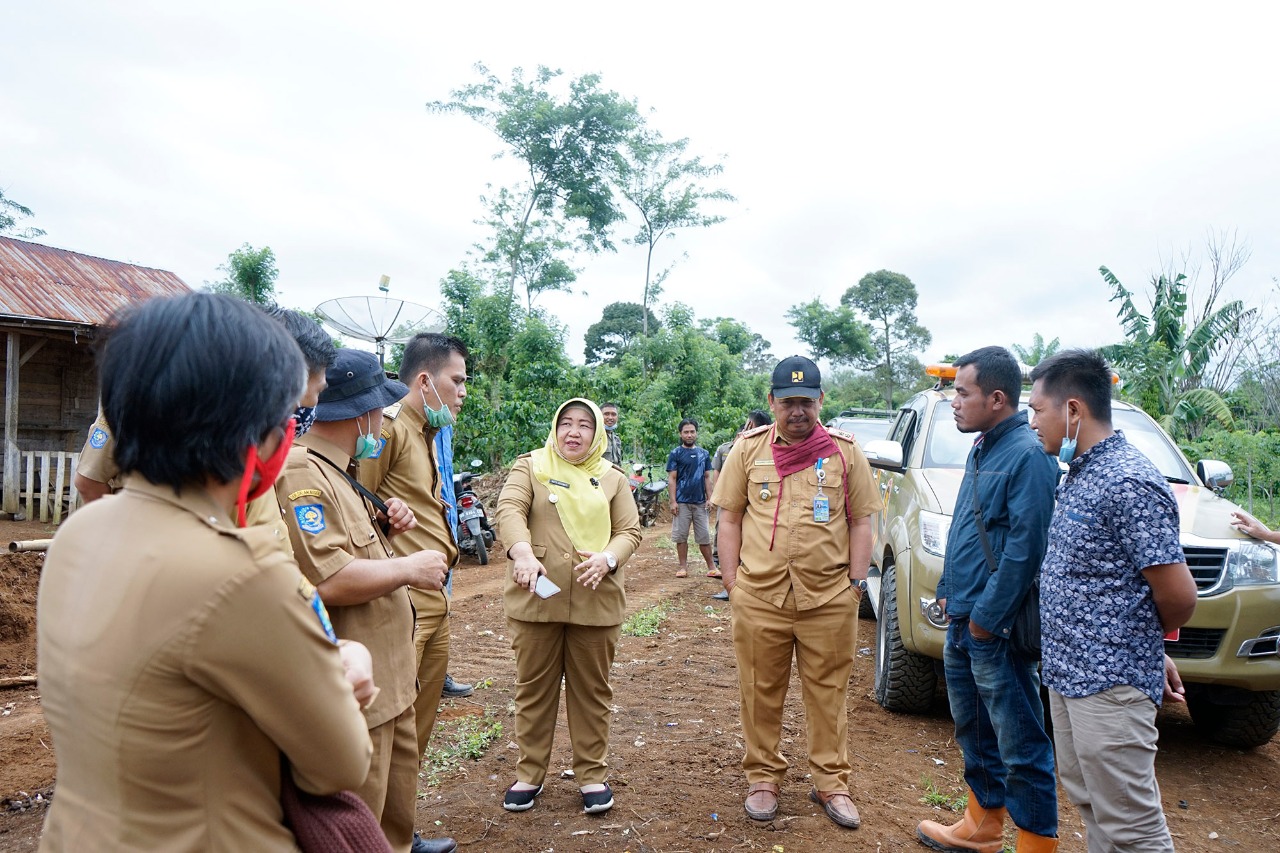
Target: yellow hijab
x=575 y=487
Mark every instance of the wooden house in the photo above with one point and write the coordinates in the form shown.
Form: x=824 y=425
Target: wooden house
x=52 y=303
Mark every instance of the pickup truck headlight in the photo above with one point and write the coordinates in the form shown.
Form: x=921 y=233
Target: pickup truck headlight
x=1251 y=563
x=933 y=532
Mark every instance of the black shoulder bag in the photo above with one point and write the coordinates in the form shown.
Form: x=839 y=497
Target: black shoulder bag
x=1024 y=635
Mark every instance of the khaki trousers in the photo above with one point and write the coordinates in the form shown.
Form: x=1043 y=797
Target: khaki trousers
x=1106 y=752
x=582 y=655
x=391 y=788
x=822 y=639
x=431 y=642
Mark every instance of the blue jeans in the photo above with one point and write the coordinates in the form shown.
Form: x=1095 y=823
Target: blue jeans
x=995 y=702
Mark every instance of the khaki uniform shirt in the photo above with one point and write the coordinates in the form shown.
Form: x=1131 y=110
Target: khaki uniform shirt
x=179 y=656
x=810 y=557
x=98 y=456
x=405 y=468
x=525 y=514
x=330 y=525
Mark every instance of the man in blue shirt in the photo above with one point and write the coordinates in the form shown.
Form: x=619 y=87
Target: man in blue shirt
x=689 y=481
x=986 y=578
x=1114 y=582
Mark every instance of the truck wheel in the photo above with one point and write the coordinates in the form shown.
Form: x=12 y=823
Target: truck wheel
x=865 y=610
x=905 y=681
x=481 y=553
x=1241 y=718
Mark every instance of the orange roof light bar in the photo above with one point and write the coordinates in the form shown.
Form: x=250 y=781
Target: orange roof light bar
x=941 y=371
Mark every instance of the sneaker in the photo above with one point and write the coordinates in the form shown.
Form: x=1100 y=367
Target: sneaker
x=455 y=689
x=519 y=801
x=597 y=801
x=722 y=595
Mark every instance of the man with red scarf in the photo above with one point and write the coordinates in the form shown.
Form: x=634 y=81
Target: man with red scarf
x=795 y=503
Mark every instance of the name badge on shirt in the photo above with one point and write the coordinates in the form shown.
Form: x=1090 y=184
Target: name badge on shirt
x=821 y=508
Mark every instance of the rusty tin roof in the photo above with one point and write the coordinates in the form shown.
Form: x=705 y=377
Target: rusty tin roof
x=42 y=284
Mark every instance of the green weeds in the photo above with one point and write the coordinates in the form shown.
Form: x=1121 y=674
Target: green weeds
x=646 y=622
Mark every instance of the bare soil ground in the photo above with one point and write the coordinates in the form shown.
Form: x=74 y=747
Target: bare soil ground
x=676 y=743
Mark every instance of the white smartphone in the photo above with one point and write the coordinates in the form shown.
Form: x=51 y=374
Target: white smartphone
x=544 y=587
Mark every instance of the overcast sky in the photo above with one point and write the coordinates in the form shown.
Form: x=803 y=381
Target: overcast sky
x=996 y=154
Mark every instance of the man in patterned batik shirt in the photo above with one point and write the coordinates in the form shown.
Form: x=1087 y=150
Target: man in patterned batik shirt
x=1114 y=582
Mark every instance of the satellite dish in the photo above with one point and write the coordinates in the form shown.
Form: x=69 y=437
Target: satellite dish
x=380 y=319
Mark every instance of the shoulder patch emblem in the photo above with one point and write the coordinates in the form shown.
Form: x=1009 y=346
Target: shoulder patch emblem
x=382 y=442
x=98 y=438
x=313 y=600
x=391 y=411
x=310 y=518
x=304 y=493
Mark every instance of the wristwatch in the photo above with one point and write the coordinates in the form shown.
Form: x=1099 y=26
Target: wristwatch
x=612 y=561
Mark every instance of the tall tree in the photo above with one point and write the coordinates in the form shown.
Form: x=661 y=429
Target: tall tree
x=1168 y=353
x=10 y=213
x=834 y=334
x=620 y=324
x=888 y=300
x=566 y=140
x=666 y=188
x=1037 y=352
x=251 y=275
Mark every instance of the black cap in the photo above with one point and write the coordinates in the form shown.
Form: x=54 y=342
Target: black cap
x=357 y=385
x=796 y=376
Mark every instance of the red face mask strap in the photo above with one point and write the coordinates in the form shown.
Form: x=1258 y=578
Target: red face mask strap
x=266 y=469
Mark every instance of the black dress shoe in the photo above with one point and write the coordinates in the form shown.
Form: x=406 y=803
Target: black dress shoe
x=455 y=690
x=432 y=845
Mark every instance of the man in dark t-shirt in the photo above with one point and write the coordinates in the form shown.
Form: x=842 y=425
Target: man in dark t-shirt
x=689 y=481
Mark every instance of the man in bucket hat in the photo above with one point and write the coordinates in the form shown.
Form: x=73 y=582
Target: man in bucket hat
x=339 y=537
x=795 y=503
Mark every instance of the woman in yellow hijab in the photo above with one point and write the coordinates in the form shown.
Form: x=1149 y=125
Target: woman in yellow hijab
x=569 y=523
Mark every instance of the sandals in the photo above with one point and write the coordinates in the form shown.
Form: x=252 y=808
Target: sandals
x=714 y=573
x=681 y=573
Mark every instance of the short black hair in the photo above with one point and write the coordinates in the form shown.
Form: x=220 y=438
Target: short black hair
x=191 y=382
x=613 y=406
x=1081 y=373
x=686 y=422
x=427 y=352
x=996 y=369
x=318 y=349
x=759 y=418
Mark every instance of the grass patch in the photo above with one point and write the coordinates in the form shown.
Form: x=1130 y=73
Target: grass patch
x=646 y=622
x=455 y=741
x=664 y=542
x=934 y=796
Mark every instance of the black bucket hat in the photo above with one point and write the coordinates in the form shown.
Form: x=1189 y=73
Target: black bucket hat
x=357 y=386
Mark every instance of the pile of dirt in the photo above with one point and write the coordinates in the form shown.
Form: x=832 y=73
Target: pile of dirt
x=19 y=580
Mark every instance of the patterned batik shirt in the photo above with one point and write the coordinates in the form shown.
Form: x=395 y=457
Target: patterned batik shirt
x=1115 y=517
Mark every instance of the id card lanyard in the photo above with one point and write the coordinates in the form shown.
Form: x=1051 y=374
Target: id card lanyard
x=821 y=506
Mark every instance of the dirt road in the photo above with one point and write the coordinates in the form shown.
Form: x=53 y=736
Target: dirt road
x=676 y=744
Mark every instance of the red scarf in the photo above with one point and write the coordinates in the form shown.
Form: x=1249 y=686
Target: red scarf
x=791 y=458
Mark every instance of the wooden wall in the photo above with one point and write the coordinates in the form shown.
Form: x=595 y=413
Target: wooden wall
x=57 y=391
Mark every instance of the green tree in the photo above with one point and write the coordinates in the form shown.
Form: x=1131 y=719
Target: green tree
x=1166 y=355
x=888 y=300
x=834 y=334
x=566 y=141
x=666 y=189
x=620 y=324
x=10 y=213
x=1037 y=352
x=251 y=275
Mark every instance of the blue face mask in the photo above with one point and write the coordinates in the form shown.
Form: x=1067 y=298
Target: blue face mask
x=437 y=418
x=366 y=445
x=1067 y=451
x=305 y=416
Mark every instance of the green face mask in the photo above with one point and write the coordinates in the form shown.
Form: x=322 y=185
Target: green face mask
x=437 y=418
x=367 y=445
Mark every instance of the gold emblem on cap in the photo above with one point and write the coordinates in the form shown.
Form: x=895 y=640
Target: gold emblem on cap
x=797 y=376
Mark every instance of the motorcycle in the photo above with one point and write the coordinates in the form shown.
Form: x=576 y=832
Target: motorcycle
x=473 y=534
x=647 y=492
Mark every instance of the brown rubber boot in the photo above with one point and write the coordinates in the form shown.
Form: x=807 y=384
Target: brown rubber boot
x=980 y=830
x=1029 y=842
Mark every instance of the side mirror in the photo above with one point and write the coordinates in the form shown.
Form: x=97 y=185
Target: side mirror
x=884 y=454
x=476 y=463
x=1214 y=474
x=638 y=467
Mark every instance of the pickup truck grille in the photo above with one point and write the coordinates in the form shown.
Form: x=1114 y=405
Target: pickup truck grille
x=1195 y=643
x=1207 y=566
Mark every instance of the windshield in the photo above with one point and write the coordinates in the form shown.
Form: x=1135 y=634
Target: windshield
x=947 y=447
x=863 y=429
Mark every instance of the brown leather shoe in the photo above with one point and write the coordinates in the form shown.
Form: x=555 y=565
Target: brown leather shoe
x=762 y=801
x=839 y=807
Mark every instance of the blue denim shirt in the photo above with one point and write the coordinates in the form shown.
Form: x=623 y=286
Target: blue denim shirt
x=1015 y=481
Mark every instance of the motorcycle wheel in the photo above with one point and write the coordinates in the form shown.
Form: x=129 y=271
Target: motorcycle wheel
x=481 y=553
